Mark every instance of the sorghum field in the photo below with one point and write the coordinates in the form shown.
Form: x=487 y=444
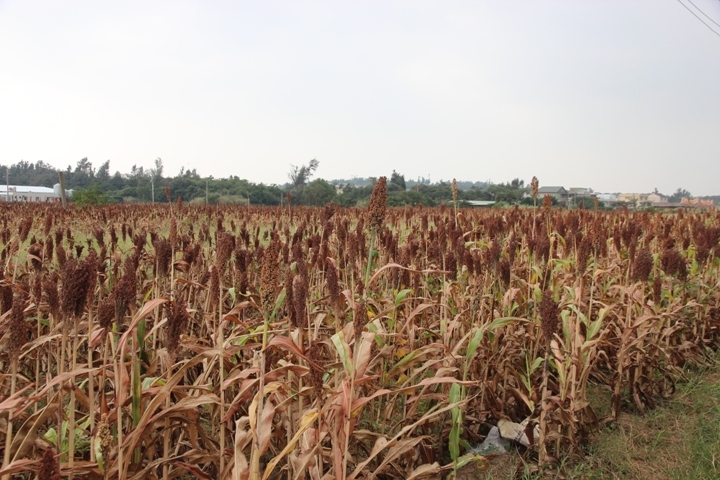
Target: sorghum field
x=148 y=341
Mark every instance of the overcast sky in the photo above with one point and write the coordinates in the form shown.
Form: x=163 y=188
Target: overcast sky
x=615 y=95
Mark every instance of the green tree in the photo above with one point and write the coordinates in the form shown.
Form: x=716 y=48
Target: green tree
x=103 y=172
x=679 y=194
x=91 y=195
x=318 y=192
x=83 y=174
x=397 y=182
x=299 y=176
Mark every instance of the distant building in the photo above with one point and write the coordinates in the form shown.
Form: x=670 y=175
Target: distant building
x=696 y=202
x=479 y=203
x=560 y=194
x=640 y=198
x=580 y=192
x=607 y=197
x=27 y=193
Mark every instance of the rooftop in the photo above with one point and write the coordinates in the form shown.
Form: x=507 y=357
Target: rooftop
x=25 y=189
x=551 y=189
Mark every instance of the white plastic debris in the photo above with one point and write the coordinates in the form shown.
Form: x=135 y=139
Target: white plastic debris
x=516 y=431
x=493 y=444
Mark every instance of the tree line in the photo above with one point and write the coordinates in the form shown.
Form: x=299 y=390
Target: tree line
x=99 y=185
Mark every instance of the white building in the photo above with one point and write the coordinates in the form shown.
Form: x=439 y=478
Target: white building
x=27 y=193
x=607 y=197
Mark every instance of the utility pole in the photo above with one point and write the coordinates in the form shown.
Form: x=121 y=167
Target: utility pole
x=7 y=182
x=152 y=187
x=206 y=192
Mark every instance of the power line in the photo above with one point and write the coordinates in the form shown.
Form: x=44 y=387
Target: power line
x=695 y=15
x=708 y=17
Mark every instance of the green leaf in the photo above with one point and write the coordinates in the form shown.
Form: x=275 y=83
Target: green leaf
x=278 y=303
x=467 y=459
x=502 y=322
x=565 y=317
x=474 y=343
x=594 y=328
x=149 y=382
x=51 y=436
x=404 y=360
x=580 y=315
x=538 y=361
x=98 y=454
x=401 y=296
x=454 y=441
x=343 y=350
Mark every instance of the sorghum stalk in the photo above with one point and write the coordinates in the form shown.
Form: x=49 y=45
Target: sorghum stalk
x=221 y=366
x=377 y=207
x=16 y=342
x=268 y=284
x=455 y=199
x=549 y=321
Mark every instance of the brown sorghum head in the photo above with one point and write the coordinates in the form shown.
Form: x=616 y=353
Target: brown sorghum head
x=269 y=276
x=300 y=292
x=48 y=223
x=494 y=252
x=173 y=235
x=163 y=257
x=37 y=290
x=49 y=466
x=49 y=248
x=504 y=271
x=25 y=226
x=328 y=212
x=35 y=251
x=60 y=255
x=75 y=285
x=106 y=312
x=360 y=319
x=549 y=315
x=674 y=263
x=105 y=436
x=214 y=290
x=657 y=290
x=99 y=234
x=642 y=266
x=583 y=254
x=225 y=245
x=547 y=203
x=316 y=360
x=50 y=289
x=534 y=185
x=6 y=294
x=377 y=205
x=543 y=247
x=177 y=323
x=18 y=332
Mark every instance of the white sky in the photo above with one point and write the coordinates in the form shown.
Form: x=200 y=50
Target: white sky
x=616 y=95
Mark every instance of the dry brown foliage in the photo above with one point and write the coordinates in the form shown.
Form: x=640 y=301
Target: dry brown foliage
x=367 y=369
